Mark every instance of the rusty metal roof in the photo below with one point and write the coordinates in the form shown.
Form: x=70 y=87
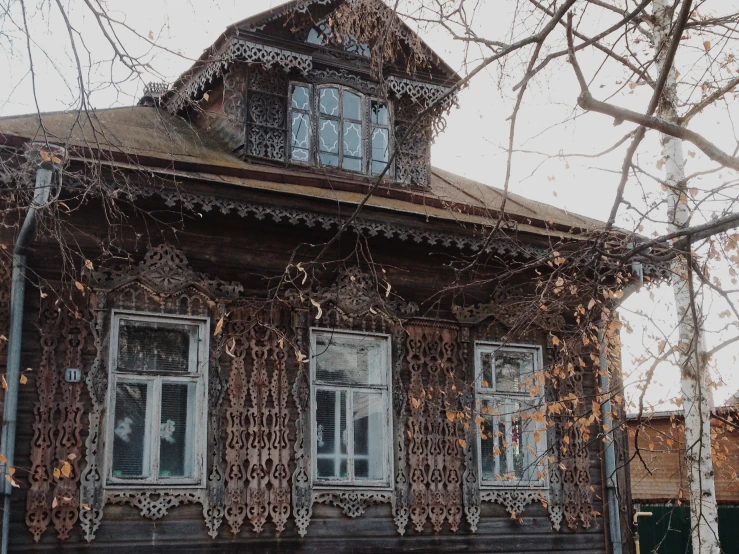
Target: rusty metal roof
x=154 y=139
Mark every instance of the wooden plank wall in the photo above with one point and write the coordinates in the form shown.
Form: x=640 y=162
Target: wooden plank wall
x=245 y=250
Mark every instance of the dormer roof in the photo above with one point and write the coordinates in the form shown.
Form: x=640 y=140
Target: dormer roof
x=275 y=38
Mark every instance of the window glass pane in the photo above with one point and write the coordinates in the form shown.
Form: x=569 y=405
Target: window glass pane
x=175 y=430
x=331 y=160
x=516 y=446
x=301 y=98
x=353 y=140
x=486 y=367
x=353 y=164
x=329 y=101
x=300 y=137
x=130 y=437
x=331 y=434
x=378 y=167
x=380 y=145
x=329 y=135
x=147 y=346
x=512 y=369
x=352 y=106
x=369 y=436
x=380 y=114
x=350 y=359
x=487 y=447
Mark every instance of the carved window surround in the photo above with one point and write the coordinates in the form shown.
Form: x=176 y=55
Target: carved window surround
x=162 y=283
x=353 y=303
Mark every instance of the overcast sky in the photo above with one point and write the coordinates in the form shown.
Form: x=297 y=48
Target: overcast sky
x=472 y=145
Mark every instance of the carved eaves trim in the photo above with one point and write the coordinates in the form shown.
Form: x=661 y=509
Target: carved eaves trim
x=369 y=227
x=236 y=49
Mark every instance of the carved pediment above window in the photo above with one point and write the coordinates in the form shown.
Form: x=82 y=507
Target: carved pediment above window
x=511 y=306
x=354 y=293
x=166 y=271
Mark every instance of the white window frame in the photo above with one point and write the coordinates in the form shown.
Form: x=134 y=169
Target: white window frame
x=314 y=116
x=197 y=430
x=385 y=389
x=490 y=393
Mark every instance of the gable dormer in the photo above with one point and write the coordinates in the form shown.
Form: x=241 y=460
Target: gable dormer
x=327 y=85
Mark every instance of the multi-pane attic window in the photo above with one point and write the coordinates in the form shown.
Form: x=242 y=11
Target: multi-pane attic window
x=156 y=423
x=512 y=434
x=333 y=126
x=350 y=408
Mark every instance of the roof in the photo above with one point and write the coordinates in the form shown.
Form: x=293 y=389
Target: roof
x=163 y=143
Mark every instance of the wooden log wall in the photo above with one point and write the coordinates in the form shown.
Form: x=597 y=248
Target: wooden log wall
x=256 y=410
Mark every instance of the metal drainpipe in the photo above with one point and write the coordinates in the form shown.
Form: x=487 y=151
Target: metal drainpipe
x=45 y=157
x=604 y=380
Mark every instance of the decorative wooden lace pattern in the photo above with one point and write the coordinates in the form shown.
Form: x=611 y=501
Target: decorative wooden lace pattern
x=56 y=446
x=164 y=283
x=574 y=460
x=257 y=417
x=435 y=449
x=39 y=498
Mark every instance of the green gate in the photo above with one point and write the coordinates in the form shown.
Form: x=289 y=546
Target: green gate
x=668 y=530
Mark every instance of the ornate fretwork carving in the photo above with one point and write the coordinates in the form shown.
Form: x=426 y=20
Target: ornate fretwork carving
x=155 y=504
x=352 y=503
x=574 y=465
x=369 y=227
x=257 y=449
x=266 y=119
x=401 y=496
x=56 y=447
x=413 y=156
x=165 y=271
x=39 y=500
x=91 y=485
x=355 y=294
x=75 y=328
x=162 y=283
x=234 y=49
x=511 y=307
x=416 y=91
x=514 y=500
x=215 y=507
x=302 y=490
x=435 y=453
x=343 y=77
x=571 y=496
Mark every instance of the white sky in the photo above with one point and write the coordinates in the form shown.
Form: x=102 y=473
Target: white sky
x=472 y=145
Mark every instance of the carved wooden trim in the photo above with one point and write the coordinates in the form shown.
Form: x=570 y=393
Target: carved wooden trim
x=39 y=498
x=301 y=479
x=352 y=503
x=154 y=504
x=163 y=282
x=164 y=271
x=75 y=328
x=257 y=448
x=435 y=451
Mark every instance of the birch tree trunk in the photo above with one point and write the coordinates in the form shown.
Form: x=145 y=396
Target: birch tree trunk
x=696 y=410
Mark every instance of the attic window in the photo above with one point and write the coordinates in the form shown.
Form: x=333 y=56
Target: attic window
x=334 y=126
x=323 y=35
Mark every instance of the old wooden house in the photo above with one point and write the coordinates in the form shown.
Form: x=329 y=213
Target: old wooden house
x=220 y=352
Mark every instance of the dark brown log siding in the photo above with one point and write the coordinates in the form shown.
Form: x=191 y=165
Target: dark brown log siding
x=236 y=249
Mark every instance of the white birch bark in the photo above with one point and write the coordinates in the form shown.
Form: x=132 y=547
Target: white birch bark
x=701 y=487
